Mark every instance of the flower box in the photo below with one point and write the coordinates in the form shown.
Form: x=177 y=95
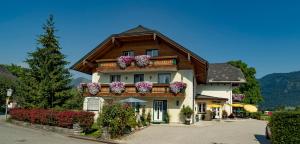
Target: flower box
x=142 y=60
x=117 y=87
x=177 y=87
x=124 y=61
x=144 y=87
x=93 y=88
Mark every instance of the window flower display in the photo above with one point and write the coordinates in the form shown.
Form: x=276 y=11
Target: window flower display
x=142 y=60
x=177 y=87
x=124 y=61
x=144 y=87
x=117 y=87
x=93 y=88
x=238 y=97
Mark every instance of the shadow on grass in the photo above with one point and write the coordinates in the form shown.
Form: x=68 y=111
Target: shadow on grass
x=262 y=139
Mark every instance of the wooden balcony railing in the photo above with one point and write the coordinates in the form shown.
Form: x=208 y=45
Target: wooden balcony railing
x=158 y=90
x=162 y=63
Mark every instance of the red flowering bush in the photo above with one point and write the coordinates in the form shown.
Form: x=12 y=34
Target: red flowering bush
x=54 y=118
x=66 y=119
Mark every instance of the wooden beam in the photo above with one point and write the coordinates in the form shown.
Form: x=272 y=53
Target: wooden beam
x=154 y=36
x=113 y=40
x=89 y=64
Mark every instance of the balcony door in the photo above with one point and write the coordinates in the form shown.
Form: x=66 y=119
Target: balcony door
x=159 y=110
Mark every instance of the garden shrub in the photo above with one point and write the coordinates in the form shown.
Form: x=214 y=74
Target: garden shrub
x=255 y=115
x=285 y=127
x=64 y=119
x=148 y=117
x=117 y=118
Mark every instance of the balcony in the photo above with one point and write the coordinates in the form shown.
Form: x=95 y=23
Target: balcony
x=158 y=90
x=163 y=63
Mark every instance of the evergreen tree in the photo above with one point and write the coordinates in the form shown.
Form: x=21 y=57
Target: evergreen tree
x=48 y=79
x=251 y=89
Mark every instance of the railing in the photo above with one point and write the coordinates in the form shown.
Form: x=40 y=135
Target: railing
x=158 y=90
x=156 y=64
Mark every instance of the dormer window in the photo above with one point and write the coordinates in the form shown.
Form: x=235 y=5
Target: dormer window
x=128 y=53
x=152 y=52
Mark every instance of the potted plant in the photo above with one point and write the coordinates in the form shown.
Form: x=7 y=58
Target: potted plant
x=124 y=61
x=187 y=113
x=143 y=87
x=177 y=87
x=117 y=87
x=93 y=88
x=208 y=115
x=224 y=114
x=142 y=60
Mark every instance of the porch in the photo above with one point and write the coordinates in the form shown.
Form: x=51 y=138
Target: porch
x=210 y=107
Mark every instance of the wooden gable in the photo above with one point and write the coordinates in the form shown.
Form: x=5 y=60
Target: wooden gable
x=139 y=42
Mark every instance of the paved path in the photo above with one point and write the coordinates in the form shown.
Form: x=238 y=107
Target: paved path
x=236 y=132
x=12 y=134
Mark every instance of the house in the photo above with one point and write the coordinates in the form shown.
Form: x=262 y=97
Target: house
x=207 y=86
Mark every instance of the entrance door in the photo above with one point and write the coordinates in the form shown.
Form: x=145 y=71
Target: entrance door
x=216 y=110
x=158 y=108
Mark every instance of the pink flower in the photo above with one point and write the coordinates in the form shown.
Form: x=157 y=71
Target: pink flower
x=93 y=88
x=125 y=61
x=238 y=97
x=177 y=87
x=144 y=87
x=117 y=87
x=142 y=60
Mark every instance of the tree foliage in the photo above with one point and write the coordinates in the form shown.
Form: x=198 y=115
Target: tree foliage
x=47 y=78
x=251 y=89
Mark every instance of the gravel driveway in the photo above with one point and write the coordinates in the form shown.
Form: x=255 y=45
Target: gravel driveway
x=232 y=132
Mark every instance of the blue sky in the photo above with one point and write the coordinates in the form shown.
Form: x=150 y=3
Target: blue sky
x=266 y=35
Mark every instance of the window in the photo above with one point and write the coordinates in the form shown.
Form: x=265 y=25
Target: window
x=114 y=78
x=201 y=107
x=152 y=52
x=138 y=78
x=128 y=53
x=164 y=78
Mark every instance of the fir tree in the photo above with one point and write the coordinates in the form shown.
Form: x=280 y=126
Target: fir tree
x=49 y=79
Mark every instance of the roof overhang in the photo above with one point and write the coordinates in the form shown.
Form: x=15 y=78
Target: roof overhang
x=206 y=97
x=87 y=63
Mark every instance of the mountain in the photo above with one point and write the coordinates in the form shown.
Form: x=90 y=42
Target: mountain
x=281 y=89
x=77 y=81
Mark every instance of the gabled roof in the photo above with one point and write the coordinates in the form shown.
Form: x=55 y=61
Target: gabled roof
x=139 y=30
x=224 y=73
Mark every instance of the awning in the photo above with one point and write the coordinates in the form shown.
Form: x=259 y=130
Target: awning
x=250 y=108
x=132 y=100
x=237 y=105
x=215 y=105
x=206 y=97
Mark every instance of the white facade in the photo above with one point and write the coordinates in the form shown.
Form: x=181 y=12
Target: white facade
x=186 y=76
x=218 y=91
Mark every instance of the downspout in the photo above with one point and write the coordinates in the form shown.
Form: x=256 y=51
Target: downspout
x=193 y=121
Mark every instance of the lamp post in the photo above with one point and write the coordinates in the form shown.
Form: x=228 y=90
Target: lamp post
x=9 y=93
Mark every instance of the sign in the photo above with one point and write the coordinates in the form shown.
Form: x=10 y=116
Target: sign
x=93 y=104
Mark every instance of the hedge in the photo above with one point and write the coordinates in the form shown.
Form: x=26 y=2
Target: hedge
x=285 y=127
x=64 y=119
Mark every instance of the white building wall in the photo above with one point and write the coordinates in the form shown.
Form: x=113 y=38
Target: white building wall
x=186 y=76
x=217 y=90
